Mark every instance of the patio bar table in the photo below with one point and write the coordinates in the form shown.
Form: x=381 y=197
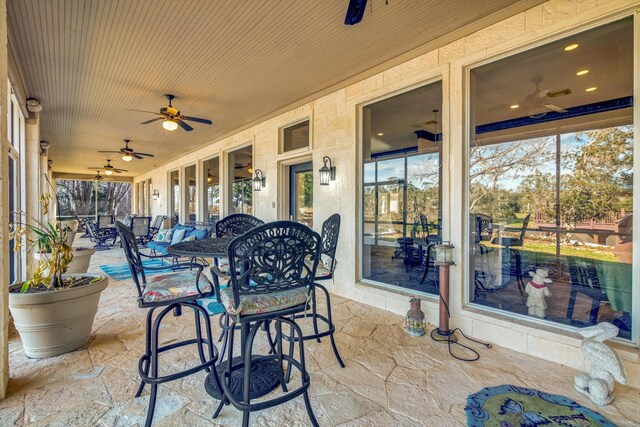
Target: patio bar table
x=264 y=373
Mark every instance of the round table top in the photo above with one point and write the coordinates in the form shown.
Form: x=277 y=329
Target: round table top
x=208 y=248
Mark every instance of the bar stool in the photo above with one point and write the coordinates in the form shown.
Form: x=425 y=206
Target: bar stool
x=169 y=293
x=272 y=267
x=325 y=270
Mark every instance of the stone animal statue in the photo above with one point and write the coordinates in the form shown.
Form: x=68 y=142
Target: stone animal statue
x=537 y=292
x=606 y=366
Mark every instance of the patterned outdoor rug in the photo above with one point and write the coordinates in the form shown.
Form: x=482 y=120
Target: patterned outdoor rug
x=511 y=406
x=122 y=272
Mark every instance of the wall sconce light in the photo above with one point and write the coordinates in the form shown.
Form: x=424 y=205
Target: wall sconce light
x=155 y=195
x=259 y=180
x=327 y=173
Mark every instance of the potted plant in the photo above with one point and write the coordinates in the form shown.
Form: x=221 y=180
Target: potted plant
x=53 y=311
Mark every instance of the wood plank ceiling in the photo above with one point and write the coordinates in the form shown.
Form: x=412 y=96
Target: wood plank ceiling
x=232 y=61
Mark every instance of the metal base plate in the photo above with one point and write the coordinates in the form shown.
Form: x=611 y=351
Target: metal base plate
x=264 y=378
x=437 y=335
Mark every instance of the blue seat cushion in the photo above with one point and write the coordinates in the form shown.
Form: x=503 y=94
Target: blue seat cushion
x=160 y=247
x=199 y=234
x=166 y=287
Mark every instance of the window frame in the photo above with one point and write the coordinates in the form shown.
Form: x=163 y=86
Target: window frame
x=466 y=122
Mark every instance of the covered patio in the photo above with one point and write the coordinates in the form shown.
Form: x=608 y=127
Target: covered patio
x=390 y=379
x=457 y=177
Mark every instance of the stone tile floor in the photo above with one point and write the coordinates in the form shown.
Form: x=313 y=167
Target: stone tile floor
x=391 y=379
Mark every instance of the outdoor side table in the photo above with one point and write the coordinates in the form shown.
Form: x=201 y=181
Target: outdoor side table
x=264 y=373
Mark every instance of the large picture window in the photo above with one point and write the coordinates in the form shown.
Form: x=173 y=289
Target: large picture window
x=174 y=196
x=211 y=193
x=240 y=175
x=401 y=203
x=190 y=192
x=551 y=181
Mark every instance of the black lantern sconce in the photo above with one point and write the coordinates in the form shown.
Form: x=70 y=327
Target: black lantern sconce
x=327 y=173
x=155 y=195
x=259 y=180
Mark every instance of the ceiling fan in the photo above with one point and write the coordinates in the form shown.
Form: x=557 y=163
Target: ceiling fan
x=108 y=169
x=538 y=100
x=127 y=153
x=248 y=166
x=172 y=118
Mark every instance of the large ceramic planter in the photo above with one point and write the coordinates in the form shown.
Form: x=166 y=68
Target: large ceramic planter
x=56 y=322
x=71 y=235
x=79 y=263
x=71 y=224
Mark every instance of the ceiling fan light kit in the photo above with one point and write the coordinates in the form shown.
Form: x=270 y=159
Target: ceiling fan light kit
x=170 y=125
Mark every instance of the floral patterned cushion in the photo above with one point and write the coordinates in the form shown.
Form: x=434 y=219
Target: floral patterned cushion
x=171 y=286
x=263 y=303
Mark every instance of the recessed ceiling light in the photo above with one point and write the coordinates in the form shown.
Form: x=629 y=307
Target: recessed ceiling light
x=514 y=106
x=380 y=133
x=571 y=47
x=582 y=72
x=590 y=89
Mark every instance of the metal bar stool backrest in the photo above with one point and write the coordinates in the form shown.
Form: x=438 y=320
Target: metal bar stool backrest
x=424 y=225
x=484 y=227
x=330 y=233
x=236 y=225
x=132 y=252
x=104 y=220
x=271 y=258
x=525 y=225
x=141 y=226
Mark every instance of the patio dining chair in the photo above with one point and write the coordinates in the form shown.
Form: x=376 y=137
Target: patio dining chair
x=104 y=221
x=585 y=280
x=276 y=265
x=100 y=237
x=141 y=228
x=168 y=293
x=512 y=244
x=156 y=225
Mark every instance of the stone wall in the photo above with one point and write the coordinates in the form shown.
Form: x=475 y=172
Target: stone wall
x=335 y=131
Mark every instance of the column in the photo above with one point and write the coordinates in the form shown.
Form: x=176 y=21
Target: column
x=4 y=207
x=33 y=178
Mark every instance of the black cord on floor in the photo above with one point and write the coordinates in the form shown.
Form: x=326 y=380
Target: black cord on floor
x=451 y=341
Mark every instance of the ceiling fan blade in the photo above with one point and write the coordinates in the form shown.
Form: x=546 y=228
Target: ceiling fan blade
x=185 y=126
x=555 y=108
x=499 y=107
x=142 y=111
x=197 y=120
x=119 y=170
x=116 y=152
x=97 y=169
x=136 y=156
x=144 y=154
x=556 y=93
x=151 y=121
x=543 y=93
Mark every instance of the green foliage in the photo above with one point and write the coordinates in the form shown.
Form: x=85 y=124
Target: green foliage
x=596 y=177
